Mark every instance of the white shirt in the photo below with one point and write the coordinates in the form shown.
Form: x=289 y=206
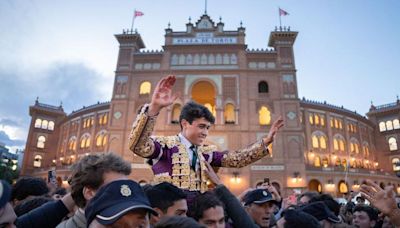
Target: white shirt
x=187 y=145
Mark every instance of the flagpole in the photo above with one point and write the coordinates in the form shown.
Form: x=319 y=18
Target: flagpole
x=279 y=12
x=133 y=19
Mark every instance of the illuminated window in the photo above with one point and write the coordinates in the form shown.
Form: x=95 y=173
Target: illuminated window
x=322 y=121
x=389 y=125
x=85 y=141
x=315 y=142
x=341 y=145
x=396 y=164
x=322 y=142
x=343 y=187
x=263 y=87
x=101 y=139
x=382 y=126
x=340 y=124
x=40 y=142
x=211 y=108
x=38 y=123
x=396 y=124
x=344 y=163
x=336 y=123
x=338 y=163
x=72 y=144
x=325 y=162
x=145 y=88
x=332 y=125
x=356 y=148
x=316 y=119
x=311 y=119
x=264 y=116
x=51 y=125
x=392 y=144
x=45 y=124
x=229 y=114
x=37 y=162
x=317 y=161
x=335 y=144
x=176 y=111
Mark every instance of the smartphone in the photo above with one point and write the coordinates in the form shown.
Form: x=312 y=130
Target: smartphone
x=51 y=177
x=266 y=180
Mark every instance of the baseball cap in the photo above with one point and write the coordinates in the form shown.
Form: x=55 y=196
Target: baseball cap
x=258 y=196
x=5 y=193
x=320 y=211
x=114 y=200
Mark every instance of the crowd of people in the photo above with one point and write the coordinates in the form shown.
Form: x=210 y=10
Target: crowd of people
x=186 y=191
x=102 y=195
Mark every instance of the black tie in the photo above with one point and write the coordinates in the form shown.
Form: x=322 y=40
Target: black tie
x=194 y=159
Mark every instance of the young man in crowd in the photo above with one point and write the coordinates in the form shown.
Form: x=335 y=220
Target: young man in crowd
x=297 y=219
x=260 y=205
x=180 y=159
x=26 y=188
x=208 y=210
x=364 y=216
x=322 y=213
x=121 y=203
x=167 y=200
x=88 y=175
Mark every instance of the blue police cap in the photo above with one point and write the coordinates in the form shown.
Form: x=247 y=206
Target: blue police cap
x=5 y=193
x=114 y=200
x=258 y=196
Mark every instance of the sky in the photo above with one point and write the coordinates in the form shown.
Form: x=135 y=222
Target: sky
x=347 y=52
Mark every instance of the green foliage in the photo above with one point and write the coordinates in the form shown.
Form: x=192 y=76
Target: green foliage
x=8 y=170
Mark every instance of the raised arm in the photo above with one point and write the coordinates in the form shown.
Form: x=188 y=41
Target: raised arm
x=140 y=142
x=254 y=152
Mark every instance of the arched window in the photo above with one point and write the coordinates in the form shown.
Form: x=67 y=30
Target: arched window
x=40 y=142
x=45 y=124
x=181 y=60
x=218 y=59
x=101 y=139
x=203 y=59
x=38 y=123
x=311 y=119
x=317 y=161
x=263 y=87
x=322 y=142
x=264 y=116
x=211 y=59
x=174 y=59
x=51 y=125
x=72 y=144
x=322 y=121
x=396 y=124
x=145 y=88
x=226 y=59
x=335 y=144
x=229 y=114
x=344 y=163
x=315 y=142
x=37 y=162
x=382 y=126
x=396 y=164
x=341 y=145
x=189 y=59
x=85 y=141
x=392 y=144
x=176 y=111
x=389 y=125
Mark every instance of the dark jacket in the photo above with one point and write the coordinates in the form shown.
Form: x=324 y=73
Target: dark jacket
x=47 y=215
x=234 y=208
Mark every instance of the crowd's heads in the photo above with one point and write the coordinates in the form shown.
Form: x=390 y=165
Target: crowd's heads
x=260 y=205
x=167 y=200
x=321 y=212
x=305 y=197
x=192 y=111
x=121 y=203
x=7 y=214
x=208 y=210
x=28 y=186
x=360 y=200
x=297 y=219
x=90 y=173
x=329 y=201
x=364 y=216
x=30 y=204
x=178 y=222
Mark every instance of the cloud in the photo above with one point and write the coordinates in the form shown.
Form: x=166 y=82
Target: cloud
x=4 y=138
x=73 y=84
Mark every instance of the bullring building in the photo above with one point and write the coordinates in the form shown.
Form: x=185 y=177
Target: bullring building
x=322 y=147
